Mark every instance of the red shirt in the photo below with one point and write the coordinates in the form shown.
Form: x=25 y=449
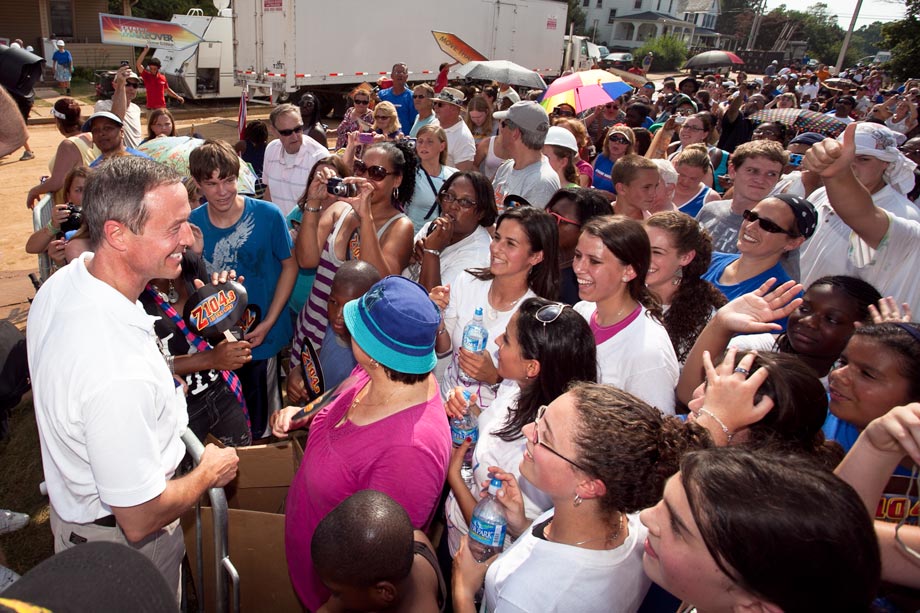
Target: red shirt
x=441 y=82
x=156 y=89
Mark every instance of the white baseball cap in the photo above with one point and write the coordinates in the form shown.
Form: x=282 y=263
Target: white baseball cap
x=561 y=137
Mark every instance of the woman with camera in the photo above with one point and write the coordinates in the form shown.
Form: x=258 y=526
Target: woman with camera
x=65 y=218
x=365 y=224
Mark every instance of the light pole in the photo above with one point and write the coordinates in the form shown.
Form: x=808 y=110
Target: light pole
x=846 y=39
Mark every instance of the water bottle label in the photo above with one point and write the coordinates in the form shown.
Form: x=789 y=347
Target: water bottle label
x=474 y=342
x=487 y=533
x=459 y=435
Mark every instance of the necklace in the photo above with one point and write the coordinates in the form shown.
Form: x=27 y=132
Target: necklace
x=172 y=297
x=607 y=538
x=493 y=312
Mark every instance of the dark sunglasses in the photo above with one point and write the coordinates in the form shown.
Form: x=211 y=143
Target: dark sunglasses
x=381 y=117
x=563 y=113
x=611 y=105
x=549 y=313
x=768 y=226
x=294 y=130
x=617 y=138
x=134 y=85
x=438 y=104
x=561 y=220
x=420 y=96
x=450 y=198
x=374 y=173
x=362 y=101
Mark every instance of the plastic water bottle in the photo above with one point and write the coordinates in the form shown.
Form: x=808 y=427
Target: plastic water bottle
x=488 y=526
x=462 y=428
x=475 y=337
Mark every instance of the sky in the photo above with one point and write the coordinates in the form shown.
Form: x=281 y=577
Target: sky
x=872 y=10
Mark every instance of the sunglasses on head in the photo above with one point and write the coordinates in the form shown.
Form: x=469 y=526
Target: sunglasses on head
x=561 y=220
x=549 y=313
x=294 y=130
x=374 y=173
x=768 y=226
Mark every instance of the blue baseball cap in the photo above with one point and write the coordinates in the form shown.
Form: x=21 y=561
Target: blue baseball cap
x=396 y=323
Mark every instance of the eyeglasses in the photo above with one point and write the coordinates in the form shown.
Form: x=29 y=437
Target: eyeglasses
x=549 y=313
x=767 y=225
x=381 y=117
x=294 y=130
x=362 y=102
x=563 y=113
x=561 y=220
x=438 y=104
x=420 y=96
x=617 y=138
x=450 y=197
x=506 y=123
x=536 y=438
x=130 y=84
x=374 y=173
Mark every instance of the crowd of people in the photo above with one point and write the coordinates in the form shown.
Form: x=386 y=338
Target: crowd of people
x=696 y=320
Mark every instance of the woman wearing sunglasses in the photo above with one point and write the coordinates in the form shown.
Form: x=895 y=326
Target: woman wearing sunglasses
x=600 y=455
x=459 y=238
x=618 y=141
x=776 y=225
x=358 y=118
x=546 y=347
x=696 y=129
x=634 y=352
x=572 y=208
x=386 y=121
x=367 y=227
x=522 y=265
x=734 y=533
x=681 y=252
x=601 y=119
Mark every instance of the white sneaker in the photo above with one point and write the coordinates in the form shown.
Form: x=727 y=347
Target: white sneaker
x=10 y=521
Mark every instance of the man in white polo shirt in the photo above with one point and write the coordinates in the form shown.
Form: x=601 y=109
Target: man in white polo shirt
x=461 y=147
x=289 y=159
x=109 y=412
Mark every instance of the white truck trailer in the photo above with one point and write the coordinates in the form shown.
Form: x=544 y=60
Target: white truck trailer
x=293 y=46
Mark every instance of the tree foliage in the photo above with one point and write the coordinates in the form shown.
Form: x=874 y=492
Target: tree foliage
x=577 y=16
x=902 y=38
x=670 y=52
x=163 y=9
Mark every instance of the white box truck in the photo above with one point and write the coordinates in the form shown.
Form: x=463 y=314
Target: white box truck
x=327 y=48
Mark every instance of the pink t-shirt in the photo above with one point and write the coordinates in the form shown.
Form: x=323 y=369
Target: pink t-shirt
x=404 y=455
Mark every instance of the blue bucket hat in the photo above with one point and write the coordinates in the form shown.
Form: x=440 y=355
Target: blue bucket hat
x=396 y=323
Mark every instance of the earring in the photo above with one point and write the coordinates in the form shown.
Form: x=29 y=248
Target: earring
x=678 y=275
x=374 y=363
x=576 y=502
x=395 y=193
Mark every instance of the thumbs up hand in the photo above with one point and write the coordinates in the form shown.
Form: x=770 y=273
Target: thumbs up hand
x=830 y=158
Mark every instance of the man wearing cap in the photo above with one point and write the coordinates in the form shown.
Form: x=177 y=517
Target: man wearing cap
x=770 y=70
x=126 y=84
x=155 y=82
x=888 y=176
x=461 y=146
x=842 y=109
x=400 y=96
x=527 y=172
x=109 y=412
x=289 y=158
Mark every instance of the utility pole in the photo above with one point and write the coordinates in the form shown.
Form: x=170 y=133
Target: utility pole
x=755 y=25
x=846 y=39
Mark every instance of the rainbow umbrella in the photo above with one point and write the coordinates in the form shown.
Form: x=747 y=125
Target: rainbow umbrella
x=174 y=151
x=584 y=90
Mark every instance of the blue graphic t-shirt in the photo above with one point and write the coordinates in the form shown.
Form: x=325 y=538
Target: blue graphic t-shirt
x=254 y=247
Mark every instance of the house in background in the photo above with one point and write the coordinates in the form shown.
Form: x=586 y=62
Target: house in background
x=628 y=24
x=703 y=14
x=40 y=23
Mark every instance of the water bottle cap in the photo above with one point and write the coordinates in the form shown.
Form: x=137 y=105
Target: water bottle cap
x=495 y=485
x=466 y=395
x=478 y=311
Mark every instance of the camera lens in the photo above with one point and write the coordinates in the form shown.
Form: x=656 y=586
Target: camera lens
x=345 y=190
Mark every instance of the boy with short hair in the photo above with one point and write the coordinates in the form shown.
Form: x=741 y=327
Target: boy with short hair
x=636 y=180
x=249 y=236
x=371 y=559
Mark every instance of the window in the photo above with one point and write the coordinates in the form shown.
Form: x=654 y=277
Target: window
x=600 y=4
x=61 y=18
x=586 y=3
x=638 y=4
x=612 y=17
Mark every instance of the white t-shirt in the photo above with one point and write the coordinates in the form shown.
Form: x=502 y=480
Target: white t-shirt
x=132 y=122
x=640 y=359
x=471 y=252
x=461 y=147
x=494 y=451
x=286 y=174
x=536 y=182
x=892 y=268
x=109 y=414
x=510 y=94
x=537 y=575
x=466 y=293
x=825 y=253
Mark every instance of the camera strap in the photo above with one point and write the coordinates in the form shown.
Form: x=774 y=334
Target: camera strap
x=436 y=205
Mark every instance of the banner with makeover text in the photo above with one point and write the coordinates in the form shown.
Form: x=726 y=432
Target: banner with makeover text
x=139 y=32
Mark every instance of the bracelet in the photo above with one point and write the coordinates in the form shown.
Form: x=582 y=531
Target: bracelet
x=436 y=252
x=310 y=209
x=52 y=228
x=171 y=363
x=440 y=332
x=728 y=434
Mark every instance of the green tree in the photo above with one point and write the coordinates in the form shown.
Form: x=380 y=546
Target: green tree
x=902 y=38
x=577 y=16
x=163 y=9
x=670 y=52
x=735 y=18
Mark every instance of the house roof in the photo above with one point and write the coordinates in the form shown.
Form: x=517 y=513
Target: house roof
x=648 y=16
x=697 y=6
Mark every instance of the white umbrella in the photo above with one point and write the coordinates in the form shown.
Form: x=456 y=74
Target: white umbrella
x=502 y=71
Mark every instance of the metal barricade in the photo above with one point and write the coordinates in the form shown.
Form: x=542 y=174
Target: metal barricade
x=41 y=215
x=224 y=571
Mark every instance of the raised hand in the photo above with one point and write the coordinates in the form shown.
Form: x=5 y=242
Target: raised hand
x=830 y=158
x=755 y=311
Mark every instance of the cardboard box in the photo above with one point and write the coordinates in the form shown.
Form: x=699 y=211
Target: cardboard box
x=255 y=530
